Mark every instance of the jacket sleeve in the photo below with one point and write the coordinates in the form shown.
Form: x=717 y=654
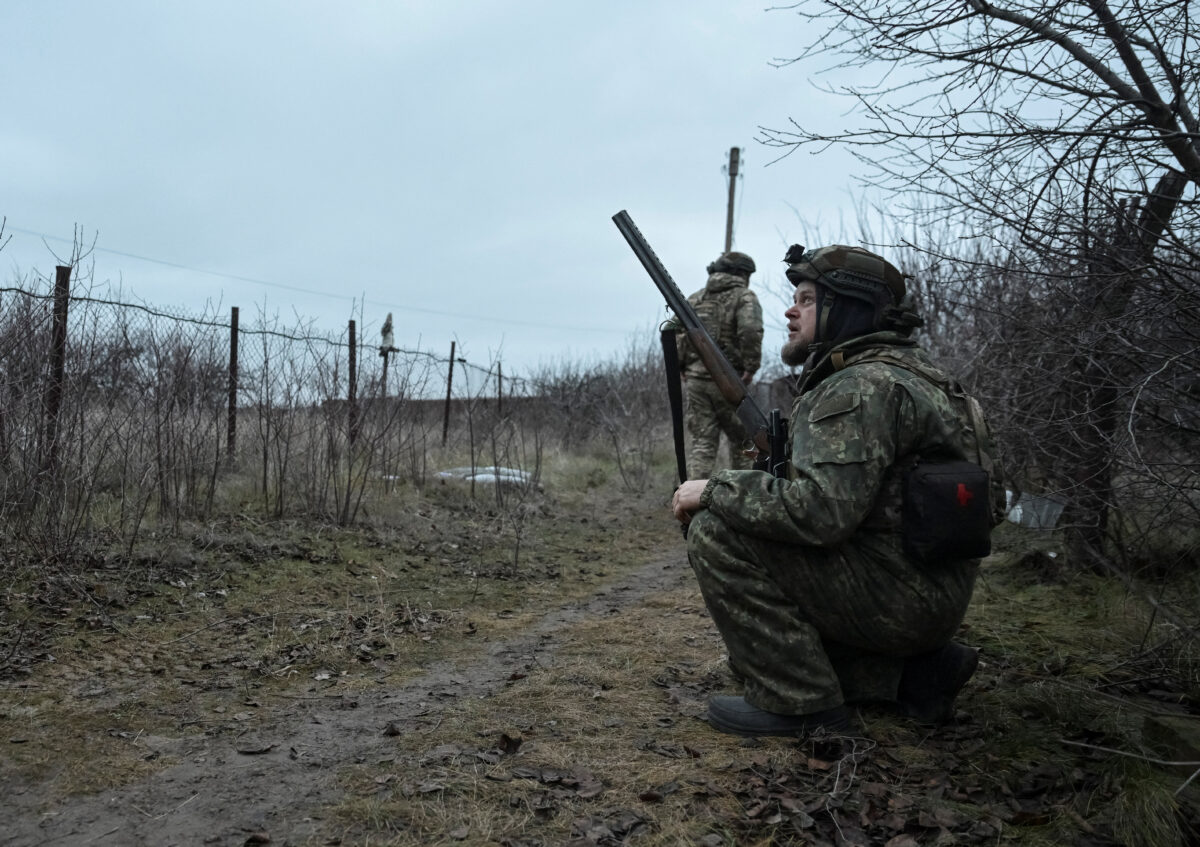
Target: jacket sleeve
x=750 y=331
x=844 y=437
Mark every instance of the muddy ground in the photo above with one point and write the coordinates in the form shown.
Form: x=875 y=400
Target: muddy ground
x=429 y=681
x=271 y=785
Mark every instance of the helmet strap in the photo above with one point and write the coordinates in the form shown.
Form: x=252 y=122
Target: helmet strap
x=825 y=300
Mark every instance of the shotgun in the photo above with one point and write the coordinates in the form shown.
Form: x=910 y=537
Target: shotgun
x=769 y=434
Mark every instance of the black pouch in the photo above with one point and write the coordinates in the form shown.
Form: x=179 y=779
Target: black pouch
x=947 y=516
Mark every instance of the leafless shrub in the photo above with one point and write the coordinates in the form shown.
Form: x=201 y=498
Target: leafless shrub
x=621 y=404
x=145 y=431
x=517 y=494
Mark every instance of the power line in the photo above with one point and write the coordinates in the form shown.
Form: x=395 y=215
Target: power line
x=381 y=304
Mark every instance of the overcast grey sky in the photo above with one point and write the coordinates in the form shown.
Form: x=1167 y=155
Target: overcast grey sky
x=457 y=164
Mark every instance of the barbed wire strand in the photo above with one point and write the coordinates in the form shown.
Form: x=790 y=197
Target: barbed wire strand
x=330 y=339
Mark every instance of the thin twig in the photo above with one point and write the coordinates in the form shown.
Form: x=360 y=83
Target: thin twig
x=211 y=626
x=102 y=835
x=169 y=811
x=1139 y=756
x=1079 y=819
x=1083 y=689
x=16 y=643
x=1187 y=782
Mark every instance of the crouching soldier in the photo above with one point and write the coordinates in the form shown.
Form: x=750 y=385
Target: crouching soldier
x=845 y=581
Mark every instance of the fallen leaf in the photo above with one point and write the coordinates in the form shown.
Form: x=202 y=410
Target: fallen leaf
x=941 y=817
x=1030 y=819
x=254 y=748
x=586 y=785
x=442 y=752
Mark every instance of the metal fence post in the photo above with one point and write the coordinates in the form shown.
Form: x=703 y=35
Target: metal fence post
x=231 y=429
x=52 y=402
x=353 y=392
x=449 y=383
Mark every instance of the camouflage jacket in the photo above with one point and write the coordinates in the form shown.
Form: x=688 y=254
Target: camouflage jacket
x=854 y=432
x=730 y=312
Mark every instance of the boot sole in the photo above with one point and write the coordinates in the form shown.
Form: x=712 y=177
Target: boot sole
x=739 y=718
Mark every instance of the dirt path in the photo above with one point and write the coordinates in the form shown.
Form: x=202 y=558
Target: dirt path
x=270 y=783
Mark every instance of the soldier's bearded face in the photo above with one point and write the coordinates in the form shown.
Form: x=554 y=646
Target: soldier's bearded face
x=801 y=324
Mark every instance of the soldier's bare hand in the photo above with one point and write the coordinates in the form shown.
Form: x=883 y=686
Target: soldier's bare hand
x=686 y=501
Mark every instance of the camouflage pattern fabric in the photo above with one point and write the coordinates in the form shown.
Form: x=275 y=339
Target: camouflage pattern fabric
x=708 y=416
x=732 y=315
x=806 y=577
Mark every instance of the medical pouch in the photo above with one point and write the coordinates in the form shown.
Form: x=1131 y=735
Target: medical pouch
x=947 y=512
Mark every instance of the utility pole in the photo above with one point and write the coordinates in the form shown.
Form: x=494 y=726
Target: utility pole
x=733 y=173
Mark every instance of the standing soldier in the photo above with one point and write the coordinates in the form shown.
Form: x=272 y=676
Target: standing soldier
x=730 y=312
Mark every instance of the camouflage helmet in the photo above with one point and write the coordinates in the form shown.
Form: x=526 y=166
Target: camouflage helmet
x=851 y=271
x=738 y=264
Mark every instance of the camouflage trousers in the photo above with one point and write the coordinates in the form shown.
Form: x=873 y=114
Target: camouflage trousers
x=708 y=416
x=809 y=628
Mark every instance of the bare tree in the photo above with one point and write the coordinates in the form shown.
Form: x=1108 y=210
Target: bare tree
x=1059 y=144
x=1012 y=110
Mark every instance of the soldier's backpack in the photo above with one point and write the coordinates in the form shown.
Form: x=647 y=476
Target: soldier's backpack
x=713 y=308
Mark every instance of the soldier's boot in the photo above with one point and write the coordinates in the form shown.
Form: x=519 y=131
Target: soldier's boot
x=735 y=716
x=932 y=680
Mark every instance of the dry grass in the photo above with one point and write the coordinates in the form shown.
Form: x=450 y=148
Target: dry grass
x=612 y=745
x=608 y=731
x=205 y=638
x=600 y=737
